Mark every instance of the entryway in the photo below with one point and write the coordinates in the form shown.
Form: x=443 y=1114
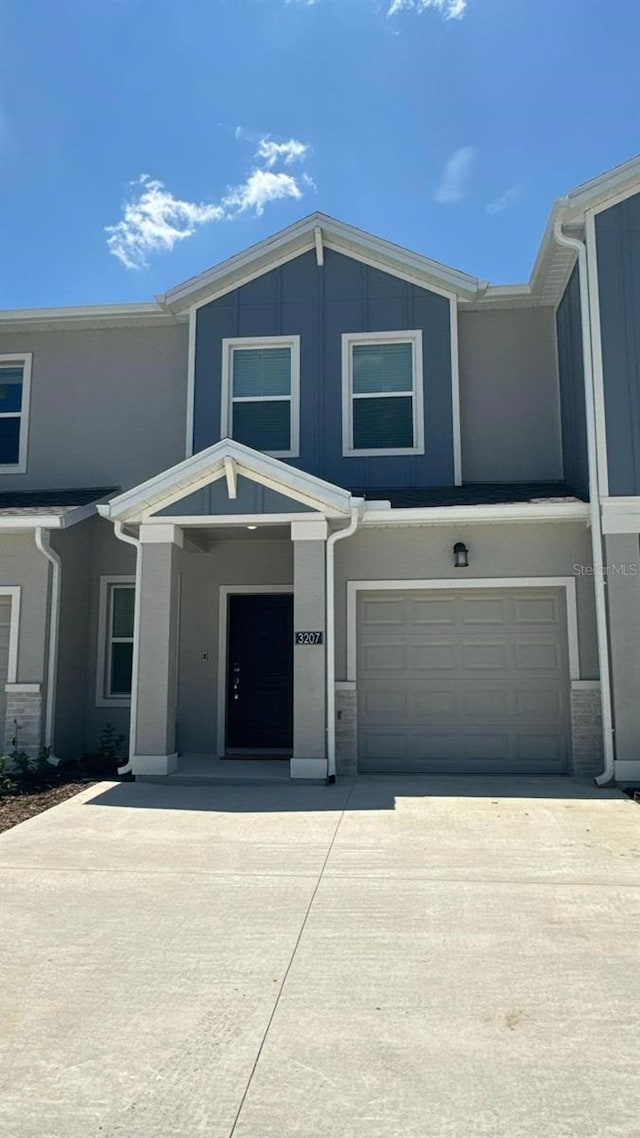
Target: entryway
x=259 y=699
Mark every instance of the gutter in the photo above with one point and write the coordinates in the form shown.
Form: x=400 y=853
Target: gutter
x=118 y=528
x=339 y=535
x=43 y=544
x=608 y=774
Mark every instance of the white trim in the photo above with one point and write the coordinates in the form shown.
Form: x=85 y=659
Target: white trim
x=167 y=534
x=355 y=339
x=308 y=768
x=86 y=316
x=627 y=770
x=24 y=360
x=22 y=689
x=455 y=391
x=13 y=591
x=201 y=521
x=621 y=515
x=106 y=583
x=205 y=467
x=43 y=543
x=319 y=249
x=566 y=583
x=596 y=353
x=478 y=515
x=191 y=380
x=230 y=475
x=225 y=591
x=617 y=199
x=229 y=345
x=585 y=685
x=315 y=529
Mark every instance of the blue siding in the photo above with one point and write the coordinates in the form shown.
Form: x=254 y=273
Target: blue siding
x=319 y=304
x=571 y=371
x=618 y=247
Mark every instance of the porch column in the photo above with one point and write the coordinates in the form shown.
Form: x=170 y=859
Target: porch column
x=159 y=585
x=309 y=660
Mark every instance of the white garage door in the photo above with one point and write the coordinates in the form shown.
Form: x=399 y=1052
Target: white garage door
x=5 y=626
x=469 y=681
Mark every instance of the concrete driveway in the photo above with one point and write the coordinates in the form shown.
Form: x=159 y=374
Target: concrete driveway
x=420 y=958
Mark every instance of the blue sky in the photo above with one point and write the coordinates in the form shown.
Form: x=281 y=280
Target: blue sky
x=142 y=141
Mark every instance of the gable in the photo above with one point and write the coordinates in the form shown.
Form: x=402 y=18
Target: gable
x=251 y=498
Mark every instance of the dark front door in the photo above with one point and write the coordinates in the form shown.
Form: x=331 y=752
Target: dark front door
x=260 y=671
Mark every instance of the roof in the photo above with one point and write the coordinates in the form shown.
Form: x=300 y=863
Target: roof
x=49 y=508
x=471 y=494
x=317 y=231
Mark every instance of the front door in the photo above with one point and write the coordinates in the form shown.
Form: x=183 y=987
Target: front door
x=260 y=672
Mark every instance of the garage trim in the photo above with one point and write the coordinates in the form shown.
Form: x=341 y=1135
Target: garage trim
x=12 y=591
x=566 y=583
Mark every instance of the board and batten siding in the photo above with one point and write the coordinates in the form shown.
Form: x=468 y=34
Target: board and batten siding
x=319 y=303
x=571 y=375
x=618 y=255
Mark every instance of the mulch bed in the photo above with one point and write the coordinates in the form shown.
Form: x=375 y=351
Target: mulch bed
x=15 y=808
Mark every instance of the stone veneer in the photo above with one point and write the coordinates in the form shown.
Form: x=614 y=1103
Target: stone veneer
x=586 y=728
x=23 y=719
x=346 y=730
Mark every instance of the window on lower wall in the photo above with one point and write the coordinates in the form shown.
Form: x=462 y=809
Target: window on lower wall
x=115 y=641
x=15 y=383
x=382 y=397
x=260 y=393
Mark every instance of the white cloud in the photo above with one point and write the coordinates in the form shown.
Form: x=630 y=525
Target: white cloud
x=262 y=186
x=448 y=9
x=155 y=221
x=504 y=200
x=454 y=182
x=287 y=152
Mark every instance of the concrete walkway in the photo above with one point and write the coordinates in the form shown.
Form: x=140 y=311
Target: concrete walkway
x=401 y=958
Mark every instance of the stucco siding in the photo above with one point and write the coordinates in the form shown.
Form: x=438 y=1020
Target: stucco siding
x=509 y=403
x=319 y=304
x=74 y=548
x=571 y=374
x=22 y=564
x=108 y=407
x=494 y=551
x=618 y=254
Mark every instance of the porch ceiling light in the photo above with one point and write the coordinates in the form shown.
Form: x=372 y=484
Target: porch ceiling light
x=252 y=527
x=460 y=555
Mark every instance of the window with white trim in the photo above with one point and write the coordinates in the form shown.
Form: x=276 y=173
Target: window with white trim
x=115 y=641
x=382 y=398
x=15 y=382
x=260 y=393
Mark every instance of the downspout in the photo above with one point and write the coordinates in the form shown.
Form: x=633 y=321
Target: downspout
x=608 y=773
x=118 y=528
x=339 y=535
x=43 y=544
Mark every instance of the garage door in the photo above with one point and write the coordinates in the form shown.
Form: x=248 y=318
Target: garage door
x=468 y=681
x=5 y=626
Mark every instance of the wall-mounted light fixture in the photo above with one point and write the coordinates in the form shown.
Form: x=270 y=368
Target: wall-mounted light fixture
x=460 y=555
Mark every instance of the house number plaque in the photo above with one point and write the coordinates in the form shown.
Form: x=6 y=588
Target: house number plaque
x=308 y=638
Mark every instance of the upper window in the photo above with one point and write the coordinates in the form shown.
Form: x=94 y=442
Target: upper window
x=260 y=393
x=115 y=641
x=382 y=393
x=15 y=376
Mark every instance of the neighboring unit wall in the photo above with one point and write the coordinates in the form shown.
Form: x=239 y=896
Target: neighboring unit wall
x=74 y=547
x=618 y=255
x=108 y=407
x=623 y=589
x=509 y=410
x=23 y=565
x=319 y=303
x=571 y=369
